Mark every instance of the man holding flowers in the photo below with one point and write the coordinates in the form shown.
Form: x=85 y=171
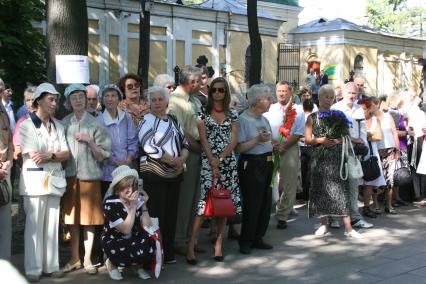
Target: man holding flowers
x=287 y=126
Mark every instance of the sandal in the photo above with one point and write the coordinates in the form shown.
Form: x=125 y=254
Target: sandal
x=391 y=211
x=90 y=269
x=70 y=267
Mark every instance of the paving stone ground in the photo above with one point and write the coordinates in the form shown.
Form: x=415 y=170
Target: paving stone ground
x=394 y=251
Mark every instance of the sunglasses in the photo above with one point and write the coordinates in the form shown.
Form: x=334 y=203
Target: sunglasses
x=219 y=90
x=133 y=86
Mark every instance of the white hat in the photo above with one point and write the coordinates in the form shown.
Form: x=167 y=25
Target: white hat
x=44 y=88
x=118 y=174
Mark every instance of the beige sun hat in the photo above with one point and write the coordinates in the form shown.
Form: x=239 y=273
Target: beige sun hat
x=118 y=174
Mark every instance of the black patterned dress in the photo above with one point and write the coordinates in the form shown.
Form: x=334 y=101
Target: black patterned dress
x=218 y=137
x=328 y=193
x=124 y=250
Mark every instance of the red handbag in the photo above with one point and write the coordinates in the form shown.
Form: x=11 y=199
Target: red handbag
x=219 y=202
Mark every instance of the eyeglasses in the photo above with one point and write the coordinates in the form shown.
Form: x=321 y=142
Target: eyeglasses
x=133 y=86
x=219 y=90
x=169 y=87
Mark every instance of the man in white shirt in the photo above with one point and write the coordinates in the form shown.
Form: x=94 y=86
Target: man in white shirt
x=358 y=132
x=289 y=150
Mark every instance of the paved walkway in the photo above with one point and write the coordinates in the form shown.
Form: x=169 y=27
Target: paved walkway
x=394 y=251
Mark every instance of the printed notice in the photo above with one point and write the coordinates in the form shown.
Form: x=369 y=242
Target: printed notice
x=72 y=69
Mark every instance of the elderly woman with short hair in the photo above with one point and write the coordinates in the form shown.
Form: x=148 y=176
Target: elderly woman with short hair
x=122 y=131
x=44 y=148
x=89 y=144
x=255 y=169
x=164 y=150
x=165 y=81
x=328 y=193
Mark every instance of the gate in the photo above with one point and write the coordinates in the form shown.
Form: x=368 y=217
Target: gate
x=288 y=63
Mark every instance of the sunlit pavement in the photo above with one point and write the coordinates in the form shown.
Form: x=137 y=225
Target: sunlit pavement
x=394 y=251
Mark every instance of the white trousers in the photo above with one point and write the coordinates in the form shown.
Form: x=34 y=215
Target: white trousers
x=41 y=234
x=6 y=227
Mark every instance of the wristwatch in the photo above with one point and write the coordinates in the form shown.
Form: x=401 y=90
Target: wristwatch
x=53 y=156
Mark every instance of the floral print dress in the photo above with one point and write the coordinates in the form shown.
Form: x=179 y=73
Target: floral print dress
x=328 y=193
x=218 y=137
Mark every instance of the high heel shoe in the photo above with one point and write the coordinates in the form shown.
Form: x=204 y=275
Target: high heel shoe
x=219 y=258
x=190 y=261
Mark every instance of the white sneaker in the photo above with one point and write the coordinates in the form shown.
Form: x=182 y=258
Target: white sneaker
x=114 y=273
x=143 y=274
x=362 y=224
x=335 y=224
x=321 y=231
x=353 y=234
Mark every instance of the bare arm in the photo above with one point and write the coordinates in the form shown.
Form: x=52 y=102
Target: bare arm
x=377 y=135
x=231 y=146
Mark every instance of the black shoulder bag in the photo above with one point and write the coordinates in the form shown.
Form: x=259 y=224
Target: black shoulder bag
x=370 y=167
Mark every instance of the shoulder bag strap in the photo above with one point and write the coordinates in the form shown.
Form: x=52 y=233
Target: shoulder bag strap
x=342 y=159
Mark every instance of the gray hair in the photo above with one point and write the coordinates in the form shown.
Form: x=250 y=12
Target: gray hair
x=163 y=79
x=2 y=87
x=157 y=89
x=326 y=89
x=29 y=91
x=187 y=73
x=257 y=92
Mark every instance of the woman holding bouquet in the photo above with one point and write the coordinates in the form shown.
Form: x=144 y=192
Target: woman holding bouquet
x=328 y=194
x=218 y=134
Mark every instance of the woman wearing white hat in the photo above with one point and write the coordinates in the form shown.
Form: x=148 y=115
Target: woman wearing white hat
x=42 y=184
x=124 y=239
x=89 y=144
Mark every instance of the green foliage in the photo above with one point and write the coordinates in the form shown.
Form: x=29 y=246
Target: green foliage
x=22 y=47
x=396 y=17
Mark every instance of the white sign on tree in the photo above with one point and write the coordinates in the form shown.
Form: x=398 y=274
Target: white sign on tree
x=72 y=69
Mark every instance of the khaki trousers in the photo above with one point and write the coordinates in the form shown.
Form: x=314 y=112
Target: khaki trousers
x=189 y=195
x=41 y=234
x=289 y=169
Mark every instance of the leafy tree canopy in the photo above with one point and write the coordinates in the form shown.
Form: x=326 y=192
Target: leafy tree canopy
x=22 y=47
x=395 y=16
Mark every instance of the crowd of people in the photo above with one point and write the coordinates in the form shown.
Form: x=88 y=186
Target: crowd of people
x=133 y=170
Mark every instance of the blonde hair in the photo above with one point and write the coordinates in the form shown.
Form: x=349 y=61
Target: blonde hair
x=393 y=100
x=122 y=184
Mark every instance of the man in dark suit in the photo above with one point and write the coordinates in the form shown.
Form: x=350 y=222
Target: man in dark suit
x=323 y=78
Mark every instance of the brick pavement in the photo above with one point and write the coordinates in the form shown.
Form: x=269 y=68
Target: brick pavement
x=394 y=251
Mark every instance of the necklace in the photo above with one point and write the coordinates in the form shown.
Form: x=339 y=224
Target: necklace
x=218 y=110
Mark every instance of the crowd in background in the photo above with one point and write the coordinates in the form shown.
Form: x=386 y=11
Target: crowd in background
x=124 y=155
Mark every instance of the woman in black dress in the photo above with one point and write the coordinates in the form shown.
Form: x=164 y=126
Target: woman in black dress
x=124 y=239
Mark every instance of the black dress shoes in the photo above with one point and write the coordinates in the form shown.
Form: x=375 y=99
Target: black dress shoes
x=261 y=245
x=281 y=225
x=245 y=248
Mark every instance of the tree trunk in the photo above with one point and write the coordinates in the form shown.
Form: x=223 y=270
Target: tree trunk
x=255 y=43
x=67 y=34
x=144 y=32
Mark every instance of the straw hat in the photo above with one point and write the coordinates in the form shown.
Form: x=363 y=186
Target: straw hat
x=118 y=174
